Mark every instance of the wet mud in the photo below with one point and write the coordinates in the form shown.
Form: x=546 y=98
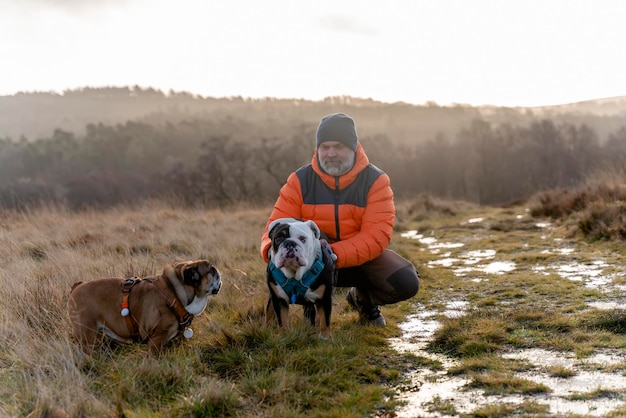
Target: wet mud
x=427 y=390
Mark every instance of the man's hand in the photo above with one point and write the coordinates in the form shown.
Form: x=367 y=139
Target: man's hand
x=326 y=247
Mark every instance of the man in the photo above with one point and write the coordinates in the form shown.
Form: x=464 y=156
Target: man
x=351 y=201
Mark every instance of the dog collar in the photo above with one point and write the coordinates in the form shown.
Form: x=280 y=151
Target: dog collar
x=296 y=289
x=131 y=324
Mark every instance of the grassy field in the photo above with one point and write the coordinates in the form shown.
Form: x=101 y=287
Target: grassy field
x=235 y=365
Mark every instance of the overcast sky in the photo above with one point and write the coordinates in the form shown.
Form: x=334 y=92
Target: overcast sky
x=499 y=52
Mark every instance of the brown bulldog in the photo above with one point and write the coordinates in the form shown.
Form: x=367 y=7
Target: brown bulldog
x=152 y=309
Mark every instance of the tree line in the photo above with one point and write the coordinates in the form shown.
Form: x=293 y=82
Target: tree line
x=192 y=162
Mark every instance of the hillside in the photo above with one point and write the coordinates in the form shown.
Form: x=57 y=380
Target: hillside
x=57 y=148
x=37 y=115
x=610 y=106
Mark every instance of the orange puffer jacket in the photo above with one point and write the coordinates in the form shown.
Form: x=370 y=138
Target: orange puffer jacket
x=356 y=211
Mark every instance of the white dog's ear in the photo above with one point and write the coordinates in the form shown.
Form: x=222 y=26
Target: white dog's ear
x=270 y=229
x=281 y=221
x=314 y=228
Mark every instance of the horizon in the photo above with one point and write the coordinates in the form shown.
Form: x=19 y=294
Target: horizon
x=174 y=92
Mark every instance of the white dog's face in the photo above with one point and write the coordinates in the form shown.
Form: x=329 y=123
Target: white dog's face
x=295 y=245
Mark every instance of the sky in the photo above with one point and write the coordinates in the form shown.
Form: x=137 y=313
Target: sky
x=475 y=52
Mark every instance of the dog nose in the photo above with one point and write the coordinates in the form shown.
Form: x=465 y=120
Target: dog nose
x=215 y=290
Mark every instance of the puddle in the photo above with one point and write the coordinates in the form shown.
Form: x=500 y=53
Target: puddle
x=477 y=255
x=474 y=261
x=444 y=262
x=467 y=258
x=585 y=380
x=433 y=245
x=588 y=376
x=428 y=385
x=475 y=220
x=499 y=267
x=591 y=274
x=607 y=306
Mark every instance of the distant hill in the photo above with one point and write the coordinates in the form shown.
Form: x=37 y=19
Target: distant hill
x=610 y=106
x=37 y=115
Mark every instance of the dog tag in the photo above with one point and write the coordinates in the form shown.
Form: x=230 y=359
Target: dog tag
x=293 y=298
x=188 y=333
x=125 y=312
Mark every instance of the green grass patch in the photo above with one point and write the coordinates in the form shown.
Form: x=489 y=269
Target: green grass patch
x=560 y=371
x=274 y=369
x=441 y=406
x=527 y=408
x=501 y=384
x=596 y=394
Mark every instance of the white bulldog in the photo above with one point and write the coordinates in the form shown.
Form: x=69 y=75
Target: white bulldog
x=299 y=272
x=295 y=246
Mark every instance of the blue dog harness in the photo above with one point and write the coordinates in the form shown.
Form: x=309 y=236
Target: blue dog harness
x=296 y=289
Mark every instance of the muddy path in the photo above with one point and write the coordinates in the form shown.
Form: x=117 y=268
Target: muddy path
x=484 y=253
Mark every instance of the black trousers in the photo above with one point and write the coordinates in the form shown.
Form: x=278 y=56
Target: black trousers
x=389 y=278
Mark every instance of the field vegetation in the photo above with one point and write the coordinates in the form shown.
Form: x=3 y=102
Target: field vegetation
x=235 y=365
x=529 y=307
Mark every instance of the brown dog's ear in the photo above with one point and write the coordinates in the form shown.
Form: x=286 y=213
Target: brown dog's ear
x=178 y=269
x=189 y=271
x=193 y=271
x=205 y=267
x=191 y=274
x=181 y=268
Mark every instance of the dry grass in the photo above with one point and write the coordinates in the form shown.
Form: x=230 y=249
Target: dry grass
x=596 y=210
x=44 y=251
x=234 y=365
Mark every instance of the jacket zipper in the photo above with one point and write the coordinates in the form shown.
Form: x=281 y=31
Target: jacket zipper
x=337 y=228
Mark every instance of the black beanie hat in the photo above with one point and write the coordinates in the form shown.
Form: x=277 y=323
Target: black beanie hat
x=337 y=127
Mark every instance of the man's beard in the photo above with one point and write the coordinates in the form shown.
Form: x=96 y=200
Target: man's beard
x=336 y=167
